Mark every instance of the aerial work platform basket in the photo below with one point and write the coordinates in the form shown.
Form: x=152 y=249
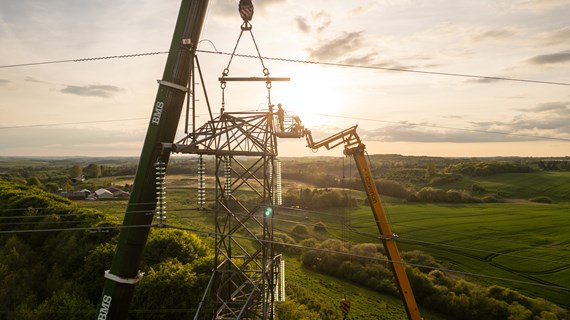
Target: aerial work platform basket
x=292 y=127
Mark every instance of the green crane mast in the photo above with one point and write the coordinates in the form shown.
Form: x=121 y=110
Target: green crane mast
x=167 y=108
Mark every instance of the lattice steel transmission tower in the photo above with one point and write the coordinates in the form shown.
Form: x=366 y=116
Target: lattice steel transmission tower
x=244 y=146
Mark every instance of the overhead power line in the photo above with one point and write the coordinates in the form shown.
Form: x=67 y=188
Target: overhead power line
x=70 y=123
x=373 y=67
x=291 y=60
x=83 y=59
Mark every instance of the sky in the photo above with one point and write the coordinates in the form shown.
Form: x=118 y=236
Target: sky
x=102 y=107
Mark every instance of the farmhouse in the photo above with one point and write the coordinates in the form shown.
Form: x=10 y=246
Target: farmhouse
x=103 y=194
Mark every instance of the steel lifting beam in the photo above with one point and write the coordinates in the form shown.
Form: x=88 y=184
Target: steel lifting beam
x=124 y=273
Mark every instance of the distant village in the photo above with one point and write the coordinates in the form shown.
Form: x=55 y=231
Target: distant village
x=108 y=193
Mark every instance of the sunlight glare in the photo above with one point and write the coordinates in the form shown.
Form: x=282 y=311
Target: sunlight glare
x=314 y=91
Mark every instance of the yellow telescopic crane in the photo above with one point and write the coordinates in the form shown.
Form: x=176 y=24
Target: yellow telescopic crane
x=353 y=147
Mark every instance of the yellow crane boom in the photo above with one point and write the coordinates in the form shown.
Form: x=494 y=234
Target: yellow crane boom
x=353 y=147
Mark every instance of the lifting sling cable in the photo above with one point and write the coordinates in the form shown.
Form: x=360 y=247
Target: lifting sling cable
x=246 y=26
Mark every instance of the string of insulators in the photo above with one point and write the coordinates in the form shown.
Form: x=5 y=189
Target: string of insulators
x=228 y=178
x=160 y=191
x=201 y=183
x=279 y=193
x=270 y=179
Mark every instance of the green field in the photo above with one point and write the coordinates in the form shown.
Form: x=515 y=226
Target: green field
x=522 y=246
x=522 y=185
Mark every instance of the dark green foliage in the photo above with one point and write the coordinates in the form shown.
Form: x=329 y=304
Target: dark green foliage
x=541 y=199
x=17 y=197
x=59 y=274
x=164 y=244
x=92 y=171
x=477 y=188
x=63 y=304
x=434 y=195
x=284 y=243
x=300 y=231
x=393 y=188
x=34 y=181
x=90 y=274
x=75 y=171
x=487 y=168
x=319 y=199
x=553 y=165
x=320 y=227
x=454 y=297
x=445 y=179
x=169 y=288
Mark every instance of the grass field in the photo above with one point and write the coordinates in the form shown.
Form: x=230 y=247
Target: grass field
x=522 y=246
x=522 y=185
x=365 y=303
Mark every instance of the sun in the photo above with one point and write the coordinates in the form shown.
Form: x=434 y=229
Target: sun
x=313 y=93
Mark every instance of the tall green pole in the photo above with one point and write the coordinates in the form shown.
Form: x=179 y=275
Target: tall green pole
x=166 y=111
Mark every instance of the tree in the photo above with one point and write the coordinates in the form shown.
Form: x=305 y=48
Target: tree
x=174 y=280
x=300 y=231
x=51 y=187
x=63 y=303
x=430 y=170
x=75 y=171
x=93 y=170
x=34 y=181
x=518 y=312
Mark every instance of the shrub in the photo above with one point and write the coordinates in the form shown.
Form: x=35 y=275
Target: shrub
x=477 y=188
x=445 y=179
x=541 y=199
x=300 y=231
x=393 y=188
x=320 y=227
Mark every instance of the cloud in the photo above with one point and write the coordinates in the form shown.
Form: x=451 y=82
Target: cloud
x=543 y=4
x=302 y=24
x=319 y=21
x=425 y=134
x=102 y=91
x=4 y=82
x=543 y=122
x=32 y=79
x=334 y=49
x=562 y=108
x=72 y=141
x=495 y=34
x=560 y=57
x=555 y=37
